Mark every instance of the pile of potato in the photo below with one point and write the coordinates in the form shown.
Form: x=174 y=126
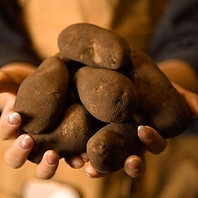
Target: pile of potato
x=92 y=96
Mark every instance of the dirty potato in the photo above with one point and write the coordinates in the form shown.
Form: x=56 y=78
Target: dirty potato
x=159 y=103
x=94 y=46
x=70 y=137
x=111 y=145
x=108 y=95
x=41 y=96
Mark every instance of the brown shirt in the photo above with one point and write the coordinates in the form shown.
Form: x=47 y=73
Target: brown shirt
x=132 y=19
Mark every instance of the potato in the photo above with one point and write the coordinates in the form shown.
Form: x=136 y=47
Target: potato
x=93 y=46
x=41 y=96
x=67 y=101
x=70 y=137
x=111 y=145
x=108 y=95
x=159 y=103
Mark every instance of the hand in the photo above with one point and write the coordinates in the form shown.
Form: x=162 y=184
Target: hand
x=191 y=99
x=153 y=142
x=134 y=165
x=17 y=154
x=11 y=77
x=13 y=74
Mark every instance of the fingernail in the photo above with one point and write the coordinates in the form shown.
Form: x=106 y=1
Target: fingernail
x=144 y=132
x=78 y=164
x=52 y=158
x=134 y=164
x=26 y=142
x=90 y=176
x=84 y=157
x=14 y=118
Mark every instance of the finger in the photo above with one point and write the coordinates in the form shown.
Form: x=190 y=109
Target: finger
x=5 y=82
x=9 y=104
x=13 y=74
x=9 y=125
x=134 y=166
x=48 y=166
x=4 y=97
x=75 y=162
x=151 y=139
x=191 y=99
x=84 y=157
x=92 y=173
x=17 y=154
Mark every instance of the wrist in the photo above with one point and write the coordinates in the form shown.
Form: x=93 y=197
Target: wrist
x=181 y=73
x=18 y=71
x=13 y=74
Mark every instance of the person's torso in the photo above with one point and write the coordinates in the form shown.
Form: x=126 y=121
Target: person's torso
x=132 y=19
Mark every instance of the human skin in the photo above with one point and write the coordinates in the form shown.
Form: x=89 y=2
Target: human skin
x=16 y=155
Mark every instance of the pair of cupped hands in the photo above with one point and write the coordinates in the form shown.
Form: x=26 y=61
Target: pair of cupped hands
x=16 y=155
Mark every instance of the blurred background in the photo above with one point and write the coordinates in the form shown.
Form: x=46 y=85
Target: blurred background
x=172 y=174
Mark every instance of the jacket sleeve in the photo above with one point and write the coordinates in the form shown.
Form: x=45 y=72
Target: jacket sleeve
x=177 y=35
x=14 y=43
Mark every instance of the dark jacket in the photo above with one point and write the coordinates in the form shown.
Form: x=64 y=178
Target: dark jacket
x=177 y=35
x=15 y=45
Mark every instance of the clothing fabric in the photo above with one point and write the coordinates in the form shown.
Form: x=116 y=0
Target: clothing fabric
x=130 y=19
x=180 y=21
x=177 y=35
x=15 y=46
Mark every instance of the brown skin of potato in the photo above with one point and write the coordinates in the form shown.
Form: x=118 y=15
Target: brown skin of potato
x=94 y=46
x=41 y=96
x=111 y=145
x=70 y=137
x=108 y=95
x=159 y=103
